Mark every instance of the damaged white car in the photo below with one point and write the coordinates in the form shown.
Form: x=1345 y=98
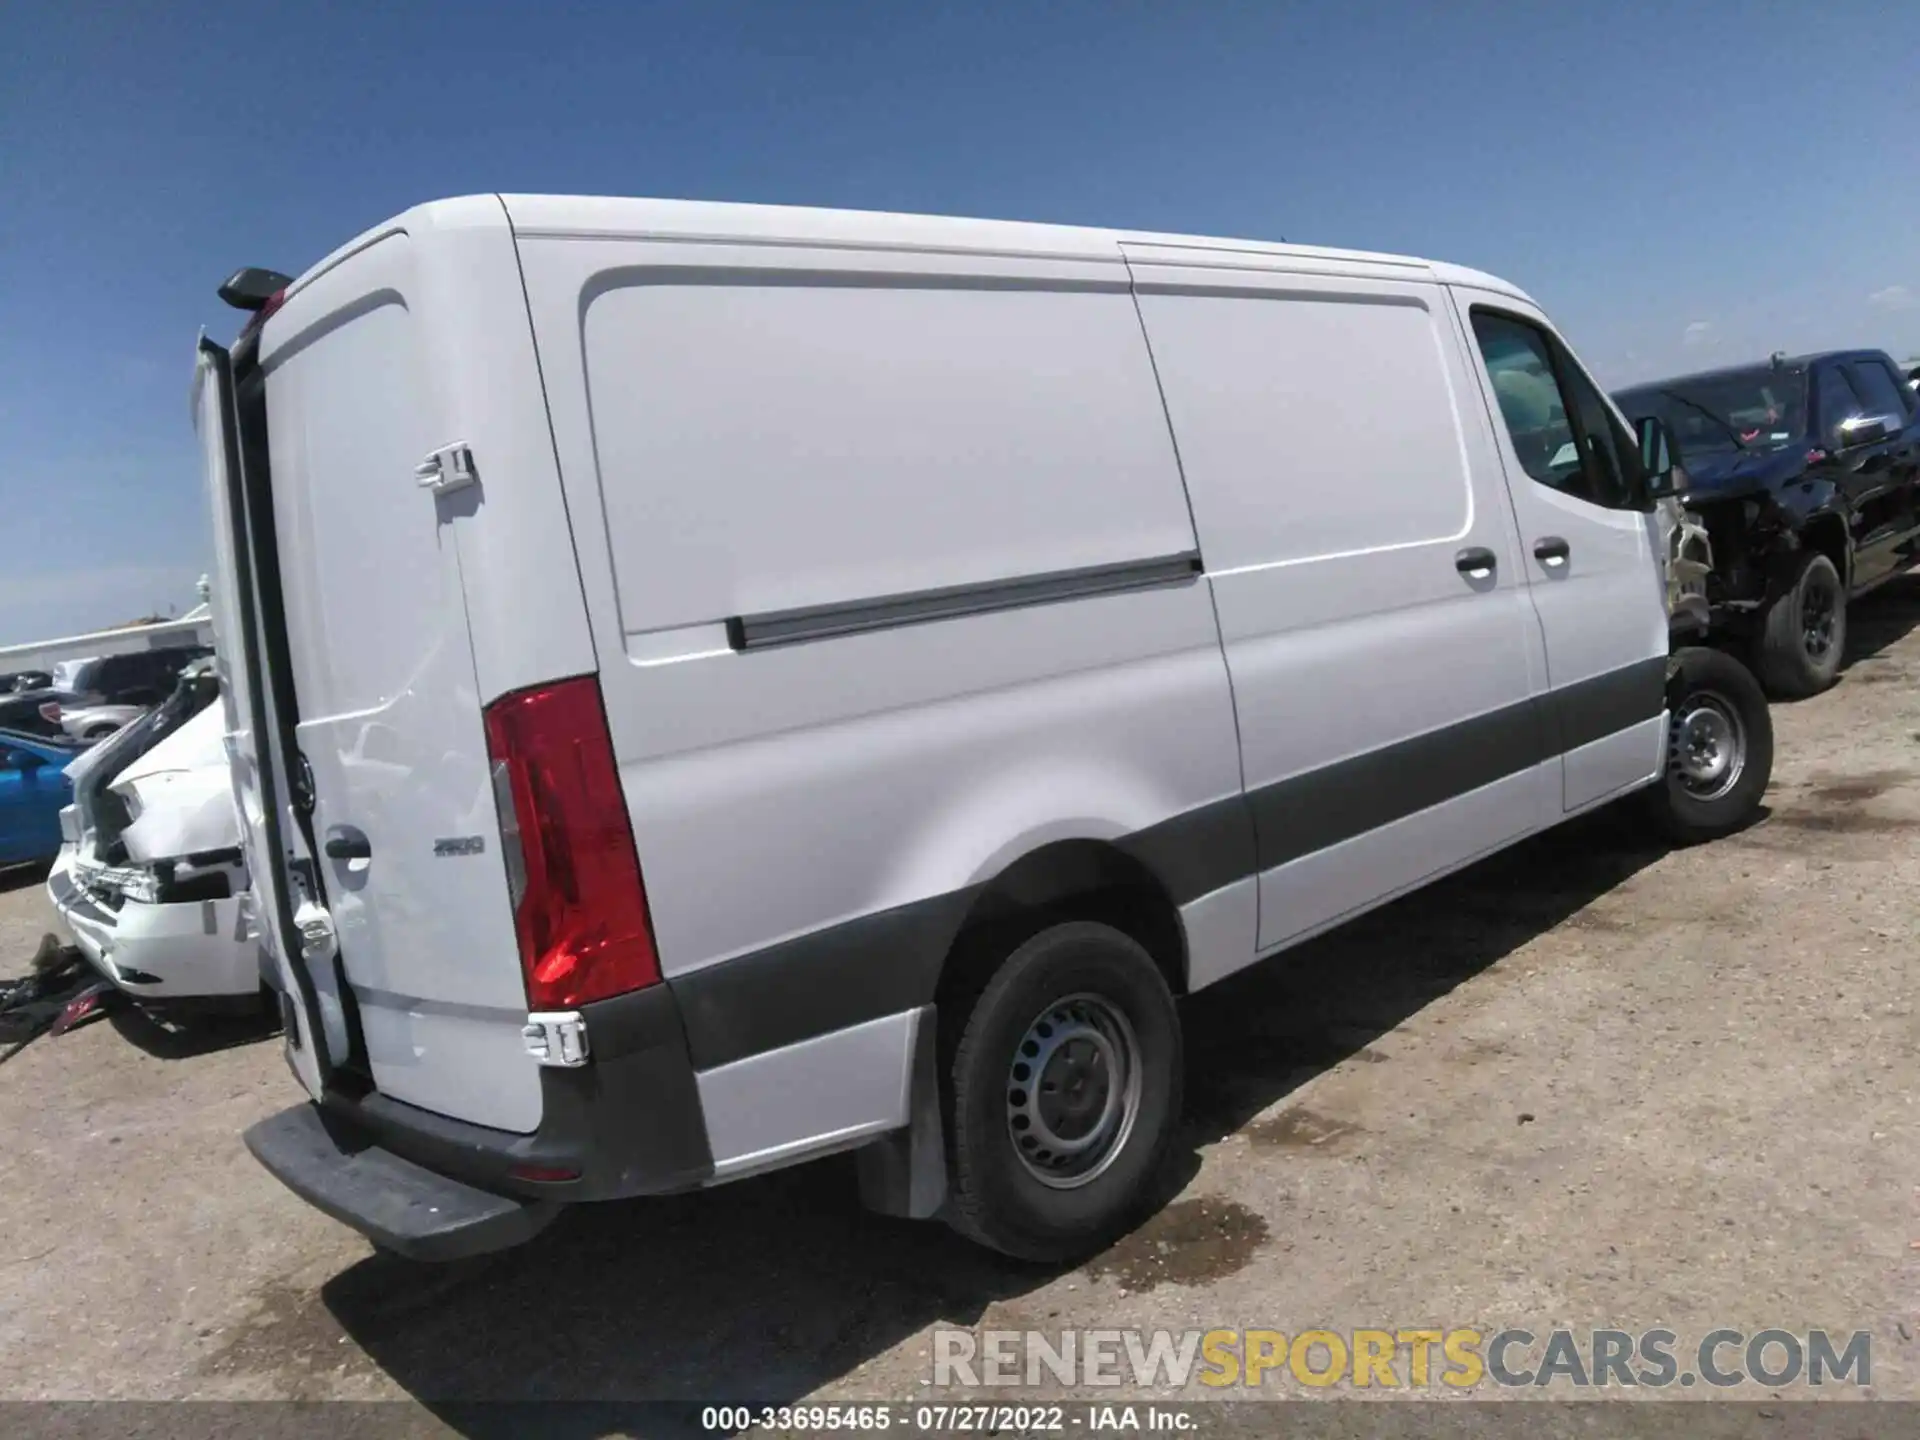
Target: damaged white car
x=150 y=876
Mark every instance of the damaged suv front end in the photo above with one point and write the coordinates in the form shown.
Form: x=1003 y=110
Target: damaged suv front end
x=1805 y=473
x=150 y=877
x=1688 y=552
x=1760 y=511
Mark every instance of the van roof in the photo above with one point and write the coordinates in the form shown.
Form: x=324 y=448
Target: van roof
x=588 y=216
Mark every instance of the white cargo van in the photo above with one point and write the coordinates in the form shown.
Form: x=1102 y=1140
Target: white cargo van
x=716 y=685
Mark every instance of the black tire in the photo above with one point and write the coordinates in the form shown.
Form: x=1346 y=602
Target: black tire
x=1712 y=697
x=1804 y=632
x=997 y=1198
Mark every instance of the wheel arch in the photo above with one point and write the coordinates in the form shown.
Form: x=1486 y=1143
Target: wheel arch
x=1080 y=878
x=1825 y=533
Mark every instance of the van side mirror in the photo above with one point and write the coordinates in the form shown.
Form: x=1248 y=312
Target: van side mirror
x=1660 y=458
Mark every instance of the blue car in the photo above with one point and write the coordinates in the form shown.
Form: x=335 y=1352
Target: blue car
x=33 y=790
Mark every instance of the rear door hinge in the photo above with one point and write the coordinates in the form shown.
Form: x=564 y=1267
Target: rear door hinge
x=447 y=469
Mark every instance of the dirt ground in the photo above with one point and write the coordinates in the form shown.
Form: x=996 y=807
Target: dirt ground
x=1590 y=1082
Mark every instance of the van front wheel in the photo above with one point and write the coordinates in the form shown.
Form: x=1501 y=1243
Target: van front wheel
x=1065 y=1090
x=1719 y=748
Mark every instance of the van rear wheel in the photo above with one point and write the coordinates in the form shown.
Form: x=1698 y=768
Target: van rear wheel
x=1065 y=1092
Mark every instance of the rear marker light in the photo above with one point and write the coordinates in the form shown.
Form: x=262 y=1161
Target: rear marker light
x=580 y=910
x=543 y=1174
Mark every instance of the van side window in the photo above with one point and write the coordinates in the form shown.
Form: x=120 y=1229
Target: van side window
x=1562 y=431
x=1612 y=454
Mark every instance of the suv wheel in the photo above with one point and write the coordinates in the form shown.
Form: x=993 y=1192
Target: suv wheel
x=1064 y=1092
x=1804 y=631
x=1719 y=748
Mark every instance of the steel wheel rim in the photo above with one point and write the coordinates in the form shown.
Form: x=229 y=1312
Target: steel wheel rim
x=1818 y=615
x=1707 y=745
x=1073 y=1091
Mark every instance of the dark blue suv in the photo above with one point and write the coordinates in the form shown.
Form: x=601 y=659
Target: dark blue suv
x=1806 y=473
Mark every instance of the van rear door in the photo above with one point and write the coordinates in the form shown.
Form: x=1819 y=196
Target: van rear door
x=259 y=782
x=368 y=460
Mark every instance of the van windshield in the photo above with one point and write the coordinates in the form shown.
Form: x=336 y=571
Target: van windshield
x=1759 y=408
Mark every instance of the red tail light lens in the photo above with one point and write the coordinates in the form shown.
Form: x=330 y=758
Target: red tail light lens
x=50 y=712
x=580 y=910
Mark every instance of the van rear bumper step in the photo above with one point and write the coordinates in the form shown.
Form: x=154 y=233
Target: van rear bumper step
x=395 y=1203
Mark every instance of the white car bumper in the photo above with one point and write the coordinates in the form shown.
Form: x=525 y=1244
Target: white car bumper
x=184 y=951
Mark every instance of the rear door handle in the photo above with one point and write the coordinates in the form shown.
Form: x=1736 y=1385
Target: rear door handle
x=1551 y=550
x=1476 y=562
x=347 y=844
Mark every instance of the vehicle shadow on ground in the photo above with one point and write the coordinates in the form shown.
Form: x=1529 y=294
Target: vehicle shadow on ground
x=184 y=1037
x=1881 y=620
x=19 y=877
x=766 y=1289
x=1258 y=1036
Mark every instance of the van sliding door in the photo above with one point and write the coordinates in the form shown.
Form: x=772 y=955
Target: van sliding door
x=1375 y=618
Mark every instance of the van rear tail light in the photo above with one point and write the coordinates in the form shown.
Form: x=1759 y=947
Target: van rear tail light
x=50 y=712
x=580 y=910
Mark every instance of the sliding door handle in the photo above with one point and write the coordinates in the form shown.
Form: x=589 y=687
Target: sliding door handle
x=346 y=843
x=1476 y=562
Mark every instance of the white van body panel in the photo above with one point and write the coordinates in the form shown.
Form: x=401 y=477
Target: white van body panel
x=1222 y=928
x=1461 y=277
x=486 y=376
x=960 y=418
x=752 y=428
x=804 y=1099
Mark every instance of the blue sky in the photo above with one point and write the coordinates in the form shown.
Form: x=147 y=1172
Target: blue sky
x=1679 y=185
